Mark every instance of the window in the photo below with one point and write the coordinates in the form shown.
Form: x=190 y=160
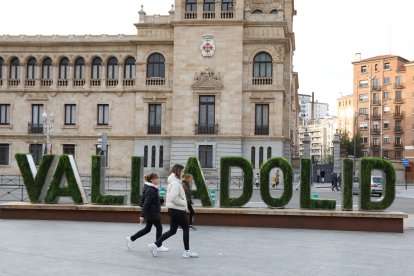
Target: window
x=363 y=83
x=31 y=69
x=129 y=71
x=227 y=5
x=364 y=140
x=262 y=65
x=161 y=158
x=112 y=70
x=100 y=152
x=398 y=81
x=387 y=95
x=386 y=139
x=209 y=7
x=260 y=156
x=191 y=6
x=64 y=69
x=153 y=155
x=1 y=67
x=262 y=119
x=37 y=119
x=15 y=69
x=253 y=157
x=363 y=69
x=398 y=95
x=387 y=80
x=387 y=65
x=269 y=152
x=154 y=119
x=69 y=149
x=375 y=111
x=4 y=114
x=4 y=154
x=146 y=156
x=70 y=114
x=257 y=12
x=96 y=68
x=387 y=109
x=363 y=126
x=206 y=116
x=386 y=124
x=156 y=66
x=205 y=155
x=398 y=141
x=363 y=97
x=80 y=69
x=376 y=67
x=47 y=69
x=274 y=11
x=36 y=152
x=103 y=114
x=376 y=84
x=363 y=111
x=376 y=141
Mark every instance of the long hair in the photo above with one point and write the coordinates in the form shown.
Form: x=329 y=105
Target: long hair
x=150 y=177
x=176 y=169
x=187 y=177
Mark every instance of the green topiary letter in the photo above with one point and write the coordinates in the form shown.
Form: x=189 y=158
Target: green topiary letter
x=193 y=167
x=137 y=174
x=287 y=170
x=346 y=176
x=226 y=163
x=388 y=188
x=66 y=167
x=34 y=181
x=305 y=201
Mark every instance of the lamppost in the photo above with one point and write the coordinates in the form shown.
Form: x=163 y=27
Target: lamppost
x=48 y=121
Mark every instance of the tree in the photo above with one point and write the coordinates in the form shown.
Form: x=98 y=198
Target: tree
x=347 y=144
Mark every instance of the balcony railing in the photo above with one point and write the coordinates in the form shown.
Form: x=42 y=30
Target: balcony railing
x=14 y=82
x=111 y=82
x=95 y=82
x=227 y=14
x=398 y=100
x=155 y=81
x=154 y=129
x=262 y=81
x=399 y=115
x=376 y=116
x=62 y=82
x=376 y=131
x=261 y=130
x=34 y=128
x=375 y=146
x=376 y=87
x=209 y=15
x=376 y=102
x=399 y=85
x=128 y=82
x=29 y=82
x=46 y=82
x=206 y=129
x=79 y=82
x=398 y=145
x=190 y=15
x=398 y=129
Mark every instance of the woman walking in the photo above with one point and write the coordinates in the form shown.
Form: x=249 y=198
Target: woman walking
x=177 y=206
x=188 y=178
x=151 y=209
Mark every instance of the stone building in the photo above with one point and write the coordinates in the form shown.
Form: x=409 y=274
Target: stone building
x=211 y=79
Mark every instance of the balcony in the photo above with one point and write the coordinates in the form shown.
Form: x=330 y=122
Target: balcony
x=398 y=101
x=14 y=82
x=34 y=128
x=376 y=116
x=190 y=15
x=227 y=14
x=95 y=83
x=154 y=129
x=261 y=130
x=155 y=81
x=399 y=115
x=398 y=130
x=376 y=131
x=206 y=129
x=398 y=145
x=376 y=87
x=262 y=81
x=62 y=82
x=29 y=82
x=111 y=82
x=128 y=82
x=46 y=82
x=375 y=147
x=209 y=14
x=399 y=85
x=376 y=101
x=79 y=82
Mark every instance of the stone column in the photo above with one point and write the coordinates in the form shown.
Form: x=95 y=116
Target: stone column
x=336 y=153
x=120 y=75
x=306 y=145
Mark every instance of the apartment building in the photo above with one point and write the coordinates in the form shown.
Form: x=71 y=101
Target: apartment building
x=346 y=114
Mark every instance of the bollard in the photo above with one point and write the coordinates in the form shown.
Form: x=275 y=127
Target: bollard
x=213 y=197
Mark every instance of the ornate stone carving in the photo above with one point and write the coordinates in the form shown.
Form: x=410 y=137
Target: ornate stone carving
x=207 y=79
x=208 y=45
x=280 y=51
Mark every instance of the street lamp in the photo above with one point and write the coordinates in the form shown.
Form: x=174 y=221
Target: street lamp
x=48 y=121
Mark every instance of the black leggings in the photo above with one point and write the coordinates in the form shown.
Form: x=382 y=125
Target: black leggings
x=147 y=229
x=177 y=218
x=190 y=208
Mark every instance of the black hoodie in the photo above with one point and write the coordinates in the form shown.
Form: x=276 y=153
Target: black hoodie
x=151 y=207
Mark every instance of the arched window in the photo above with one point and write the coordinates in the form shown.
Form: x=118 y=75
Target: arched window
x=31 y=69
x=260 y=156
x=153 y=156
x=191 y=6
x=64 y=69
x=129 y=68
x=156 y=66
x=112 y=70
x=253 y=157
x=80 y=69
x=269 y=152
x=146 y=156
x=47 y=69
x=257 y=12
x=262 y=65
x=1 y=67
x=275 y=11
x=96 y=68
x=161 y=159
x=15 y=69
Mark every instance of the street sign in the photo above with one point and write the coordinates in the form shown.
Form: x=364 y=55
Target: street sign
x=405 y=162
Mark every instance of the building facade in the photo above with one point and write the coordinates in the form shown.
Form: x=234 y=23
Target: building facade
x=346 y=114
x=307 y=104
x=383 y=105
x=211 y=79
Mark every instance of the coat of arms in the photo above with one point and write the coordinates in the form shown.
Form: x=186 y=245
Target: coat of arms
x=208 y=46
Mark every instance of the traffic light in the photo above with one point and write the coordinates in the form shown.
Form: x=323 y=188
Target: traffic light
x=102 y=143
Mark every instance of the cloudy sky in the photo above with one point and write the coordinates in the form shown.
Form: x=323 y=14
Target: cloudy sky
x=328 y=32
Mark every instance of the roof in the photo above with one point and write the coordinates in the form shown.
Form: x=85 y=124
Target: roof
x=381 y=57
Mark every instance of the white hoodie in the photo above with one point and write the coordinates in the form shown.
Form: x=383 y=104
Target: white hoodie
x=175 y=194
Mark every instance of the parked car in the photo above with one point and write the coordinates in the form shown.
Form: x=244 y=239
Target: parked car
x=376 y=185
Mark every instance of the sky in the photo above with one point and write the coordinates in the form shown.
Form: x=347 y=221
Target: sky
x=328 y=32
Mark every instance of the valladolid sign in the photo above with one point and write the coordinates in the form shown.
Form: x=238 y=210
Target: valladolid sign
x=58 y=176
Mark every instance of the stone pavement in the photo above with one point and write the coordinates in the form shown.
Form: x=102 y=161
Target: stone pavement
x=90 y=248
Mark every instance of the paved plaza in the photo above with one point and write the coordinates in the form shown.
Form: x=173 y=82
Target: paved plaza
x=90 y=248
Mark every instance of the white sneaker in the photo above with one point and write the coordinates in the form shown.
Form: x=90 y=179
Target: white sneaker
x=153 y=248
x=189 y=254
x=129 y=243
x=162 y=248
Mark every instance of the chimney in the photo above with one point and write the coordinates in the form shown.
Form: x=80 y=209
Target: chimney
x=357 y=57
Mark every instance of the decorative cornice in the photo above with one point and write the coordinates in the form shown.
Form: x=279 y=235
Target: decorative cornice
x=207 y=80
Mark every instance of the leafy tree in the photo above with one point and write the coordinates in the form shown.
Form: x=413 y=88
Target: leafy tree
x=347 y=144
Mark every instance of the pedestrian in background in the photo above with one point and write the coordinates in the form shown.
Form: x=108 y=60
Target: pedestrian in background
x=257 y=180
x=276 y=179
x=318 y=175
x=334 y=181
x=150 y=211
x=188 y=178
x=323 y=176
